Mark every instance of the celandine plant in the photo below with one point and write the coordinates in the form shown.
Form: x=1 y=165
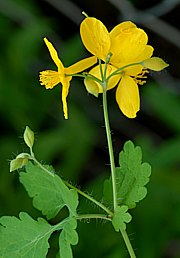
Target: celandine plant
x=122 y=58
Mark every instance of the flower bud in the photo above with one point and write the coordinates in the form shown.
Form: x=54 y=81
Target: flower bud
x=18 y=163
x=23 y=156
x=155 y=64
x=91 y=86
x=29 y=137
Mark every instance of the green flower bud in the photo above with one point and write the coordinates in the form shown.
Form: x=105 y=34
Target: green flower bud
x=18 y=163
x=23 y=156
x=155 y=64
x=29 y=137
x=91 y=86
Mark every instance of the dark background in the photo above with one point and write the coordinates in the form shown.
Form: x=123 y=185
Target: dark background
x=77 y=147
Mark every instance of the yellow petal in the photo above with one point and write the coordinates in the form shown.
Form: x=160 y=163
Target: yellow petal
x=49 y=78
x=127 y=97
x=65 y=91
x=145 y=54
x=155 y=64
x=125 y=27
x=137 y=69
x=95 y=37
x=110 y=69
x=54 y=54
x=127 y=42
x=81 y=65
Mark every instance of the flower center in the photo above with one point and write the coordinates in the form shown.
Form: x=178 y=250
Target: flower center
x=49 y=78
x=141 y=77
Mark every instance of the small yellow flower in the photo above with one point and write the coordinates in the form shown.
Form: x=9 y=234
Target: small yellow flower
x=128 y=45
x=63 y=74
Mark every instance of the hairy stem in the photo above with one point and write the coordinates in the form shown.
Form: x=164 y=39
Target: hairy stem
x=128 y=243
x=76 y=189
x=112 y=163
x=89 y=198
x=92 y=216
x=110 y=147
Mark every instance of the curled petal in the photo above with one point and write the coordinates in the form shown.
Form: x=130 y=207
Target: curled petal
x=95 y=37
x=49 y=78
x=127 y=42
x=123 y=27
x=54 y=54
x=127 y=97
x=81 y=65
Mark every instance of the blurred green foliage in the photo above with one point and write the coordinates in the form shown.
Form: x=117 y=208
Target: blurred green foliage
x=77 y=147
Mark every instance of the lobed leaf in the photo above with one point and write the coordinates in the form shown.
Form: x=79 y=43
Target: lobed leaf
x=24 y=237
x=121 y=217
x=68 y=237
x=131 y=177
x=48 y=191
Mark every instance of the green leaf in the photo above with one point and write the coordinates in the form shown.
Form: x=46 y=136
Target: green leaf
x=121 y=216
x=24 y=237
x=131 y=177
x=27 y=238
x=68 y=237
x=48 y=191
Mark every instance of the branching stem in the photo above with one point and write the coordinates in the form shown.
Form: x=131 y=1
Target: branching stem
x=103 y=207
x=111 y=155
x=92 y=216
x=90 y=198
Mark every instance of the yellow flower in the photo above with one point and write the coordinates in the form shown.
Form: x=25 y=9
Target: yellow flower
x=128 y=45
x=63 y=74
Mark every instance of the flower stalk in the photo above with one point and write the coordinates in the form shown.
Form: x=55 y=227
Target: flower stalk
x=128 y=243
x=111 y=156
x=110 y=147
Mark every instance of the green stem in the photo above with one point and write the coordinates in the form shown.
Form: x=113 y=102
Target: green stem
x=113 y=171
x=110 y=147
x=84 y=75
x=100 y=66
x=89 y=198
x=41 y=166
x=76 y=189
x=128 y=243
x=122 y=68
x=93 y=216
